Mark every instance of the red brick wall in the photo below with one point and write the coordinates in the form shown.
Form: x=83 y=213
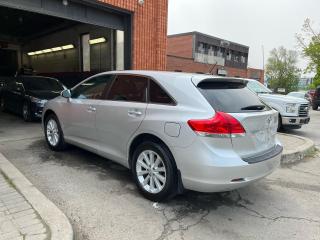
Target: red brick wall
x=188 y=65
x=180 y=46
x=149 y=32
x=256 y=74
x=236 y=72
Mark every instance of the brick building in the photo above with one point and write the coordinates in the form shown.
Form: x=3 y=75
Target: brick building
x=149 y=29
x=201 y=53
x=73 y=39
x=257 y=74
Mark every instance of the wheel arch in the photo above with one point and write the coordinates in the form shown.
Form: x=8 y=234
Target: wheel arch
x=151 y=137
x=47 y=113
x=142 y=138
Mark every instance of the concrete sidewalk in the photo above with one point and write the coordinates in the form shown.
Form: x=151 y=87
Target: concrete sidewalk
x=18 y=219
x=296 y=148
x=25 y=213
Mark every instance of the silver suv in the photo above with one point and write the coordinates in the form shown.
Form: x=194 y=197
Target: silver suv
x=175 y=131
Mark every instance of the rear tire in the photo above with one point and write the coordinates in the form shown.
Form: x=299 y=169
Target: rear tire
x=154 y=171
x=53 y=133
x=26 y=112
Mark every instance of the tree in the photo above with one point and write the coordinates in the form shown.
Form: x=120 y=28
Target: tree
x=282 y=69
x=309 y=41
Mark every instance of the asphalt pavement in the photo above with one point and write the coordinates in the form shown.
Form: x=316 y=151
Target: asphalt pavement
x=311 y=130
x=102 y=202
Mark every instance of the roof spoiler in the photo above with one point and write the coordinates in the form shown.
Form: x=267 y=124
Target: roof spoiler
x=196 y=80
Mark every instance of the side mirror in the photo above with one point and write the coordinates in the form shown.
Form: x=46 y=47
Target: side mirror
x=66 y=93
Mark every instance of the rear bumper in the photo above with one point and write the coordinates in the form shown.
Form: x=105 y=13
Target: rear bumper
x=295 y=120
x=205 y=171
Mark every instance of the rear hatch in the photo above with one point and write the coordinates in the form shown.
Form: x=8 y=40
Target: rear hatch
x=259 y=121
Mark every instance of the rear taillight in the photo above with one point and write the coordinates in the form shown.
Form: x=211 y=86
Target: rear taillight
x=221 y=125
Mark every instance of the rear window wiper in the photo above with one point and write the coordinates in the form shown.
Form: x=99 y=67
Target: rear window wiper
x=254 y=107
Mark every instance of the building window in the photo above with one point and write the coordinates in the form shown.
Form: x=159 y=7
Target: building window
x=243 y=59
x=236 y=57
x=201 y=48
x=220 y=52
x=209 y=54
x=215 y=51
x=229 y=55
x=211 y=51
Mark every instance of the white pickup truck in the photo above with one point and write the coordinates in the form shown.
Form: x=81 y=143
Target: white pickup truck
x=293 y=112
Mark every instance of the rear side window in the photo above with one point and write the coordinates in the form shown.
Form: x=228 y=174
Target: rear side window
x=129 y=88
x=41 y=84
x=158 y=95
x=231 y=97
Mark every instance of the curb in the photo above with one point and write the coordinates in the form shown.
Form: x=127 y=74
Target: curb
x=298 y=154
x=58 y=223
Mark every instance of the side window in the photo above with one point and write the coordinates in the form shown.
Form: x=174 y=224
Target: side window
x=158 y=95
x=94 y=88
x=129 y=88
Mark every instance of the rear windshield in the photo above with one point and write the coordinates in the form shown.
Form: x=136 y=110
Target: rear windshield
x=42 y=84
x=231 y=97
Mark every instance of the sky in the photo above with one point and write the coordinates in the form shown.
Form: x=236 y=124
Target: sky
x=255 y=23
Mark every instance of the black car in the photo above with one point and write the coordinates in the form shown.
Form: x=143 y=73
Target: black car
x=3 y=81
x=26 y=95
x=316 y=99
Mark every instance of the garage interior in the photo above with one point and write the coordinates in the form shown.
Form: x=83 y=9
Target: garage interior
x=46 y=45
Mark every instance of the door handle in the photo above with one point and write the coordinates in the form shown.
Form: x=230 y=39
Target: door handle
x=91 y=109
x=134 y=113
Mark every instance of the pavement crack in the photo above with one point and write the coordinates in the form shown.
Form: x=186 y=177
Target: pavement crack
x=296 y=218
x=305 y=172
x=274 y=219
x=169 y=228
x=255 y=213
x=176 y=216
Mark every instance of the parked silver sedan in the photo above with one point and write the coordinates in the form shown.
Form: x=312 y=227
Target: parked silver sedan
x=175 y=131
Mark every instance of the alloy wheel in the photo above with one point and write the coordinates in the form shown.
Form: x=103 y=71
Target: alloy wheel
x=52 y=132
x=151 y=171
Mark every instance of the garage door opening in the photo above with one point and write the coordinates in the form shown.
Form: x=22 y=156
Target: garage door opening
x=39 y=44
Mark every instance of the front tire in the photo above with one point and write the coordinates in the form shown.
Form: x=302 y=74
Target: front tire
x=154 y=171
x=314 y=106
x=280 y=126
x=53 y=133
x=2 y=105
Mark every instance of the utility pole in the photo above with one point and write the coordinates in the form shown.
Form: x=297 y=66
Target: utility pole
x=262 y=48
